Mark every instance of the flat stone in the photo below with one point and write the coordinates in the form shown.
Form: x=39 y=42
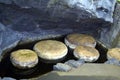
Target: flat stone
x=51 y=49
x=24 y=58
x=88 y=54
x=113 y=53
x=76 y=39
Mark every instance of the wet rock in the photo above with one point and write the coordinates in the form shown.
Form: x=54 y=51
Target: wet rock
x=74 y=64
x=8 y=78
x=62 y=67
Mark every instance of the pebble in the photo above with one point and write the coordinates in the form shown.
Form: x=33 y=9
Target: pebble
x=113 y=61
x=73 y=63
x=62 y=67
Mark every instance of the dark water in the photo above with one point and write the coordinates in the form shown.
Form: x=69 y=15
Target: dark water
x=103 y=53
x=8 y=70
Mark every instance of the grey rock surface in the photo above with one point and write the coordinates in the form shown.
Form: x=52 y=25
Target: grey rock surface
x=6 y=1
x=113 y=61
x=74 y=64
x=8 y=78
x=20 y=25
x=8 y=39
x=68 y=65
x=64 y=8
x=25 y=21
x=118 y=40
x=85 y=72
x=62 y=67
x=110 y=36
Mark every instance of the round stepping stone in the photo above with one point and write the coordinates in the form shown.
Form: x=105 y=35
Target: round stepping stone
x=88 y=54
x=114 y=53
x=51 y=51
x=73 y=40
x=24 y=58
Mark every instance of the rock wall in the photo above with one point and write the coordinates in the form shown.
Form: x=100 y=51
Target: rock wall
x=111 y=36
x=24 y=21
x=65 y=8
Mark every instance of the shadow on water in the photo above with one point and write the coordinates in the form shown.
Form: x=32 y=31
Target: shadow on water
x=103 y=53
x=8 y=70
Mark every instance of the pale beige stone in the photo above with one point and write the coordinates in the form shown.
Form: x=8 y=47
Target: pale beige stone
x=51 y=49
x=73 y=40
x=86 y=53
x=113 y=53
x=24 y=58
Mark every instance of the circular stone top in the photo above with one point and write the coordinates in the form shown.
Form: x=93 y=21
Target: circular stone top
x=73 y=40
x=89 y=54
x=24 y=58
x=50 y=49
x=113 y=53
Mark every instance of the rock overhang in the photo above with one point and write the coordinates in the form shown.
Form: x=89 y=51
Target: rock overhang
x=36 y=20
